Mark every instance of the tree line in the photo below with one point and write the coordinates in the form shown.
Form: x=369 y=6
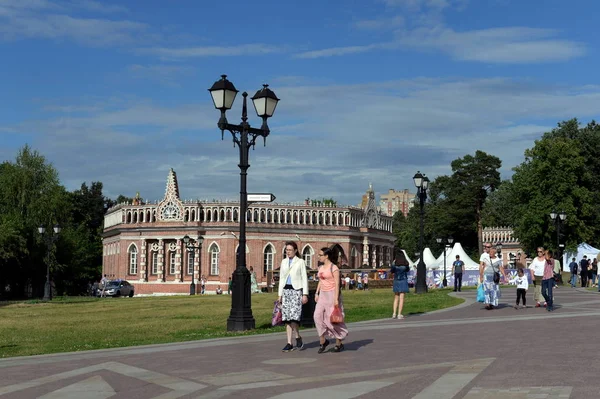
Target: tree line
x=561 y=172
x=31 y=196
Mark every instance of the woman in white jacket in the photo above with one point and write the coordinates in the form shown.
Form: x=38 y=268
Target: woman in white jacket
x=293 y=293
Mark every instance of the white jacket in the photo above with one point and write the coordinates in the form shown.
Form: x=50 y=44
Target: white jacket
x=297 y=271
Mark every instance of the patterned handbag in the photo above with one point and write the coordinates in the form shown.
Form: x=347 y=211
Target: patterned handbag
x=276 y=320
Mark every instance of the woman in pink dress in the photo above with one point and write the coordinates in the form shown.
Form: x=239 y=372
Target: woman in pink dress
x=327 y=296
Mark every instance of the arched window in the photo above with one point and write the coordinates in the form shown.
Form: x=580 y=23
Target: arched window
x=172 y=262
x=190 y=263
x=214 y=260
x=133 y=260
x=154 y=262
x=268 y=259
x=307 y=255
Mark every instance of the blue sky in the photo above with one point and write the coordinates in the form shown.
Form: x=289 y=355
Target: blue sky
x=371 y=90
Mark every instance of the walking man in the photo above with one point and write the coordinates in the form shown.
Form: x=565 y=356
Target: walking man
x=583 y=265
x=573 y=270
x=457 y=269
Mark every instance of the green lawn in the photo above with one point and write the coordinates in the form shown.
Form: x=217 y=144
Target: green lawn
x=77 y=324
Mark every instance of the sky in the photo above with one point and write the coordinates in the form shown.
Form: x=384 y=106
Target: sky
x=371 y=91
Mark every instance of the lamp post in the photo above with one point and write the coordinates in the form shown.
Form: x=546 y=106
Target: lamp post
x=49 y=239
x=422 y=183
x=446 y=241
x=558 y=219
x=223 y=94
x=190 y=248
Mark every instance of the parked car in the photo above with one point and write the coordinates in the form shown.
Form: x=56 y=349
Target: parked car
x=117 y=288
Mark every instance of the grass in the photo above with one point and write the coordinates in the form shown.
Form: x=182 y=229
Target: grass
x=78 y=324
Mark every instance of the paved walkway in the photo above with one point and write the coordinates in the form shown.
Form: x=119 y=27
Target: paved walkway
x=464 y=352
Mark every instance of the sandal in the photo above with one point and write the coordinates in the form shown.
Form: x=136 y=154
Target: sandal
x=338 y=348
x=323 y=346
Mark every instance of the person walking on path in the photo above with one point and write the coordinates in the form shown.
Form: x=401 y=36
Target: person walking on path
x=583 y=271
x=366 y=281
x=573 y=270
x=522 y=286
x=400 y=270
x=328 y=296
x=293 y=293
x=457 y=270
x=536 y=268
x=490 y=264
x=548 y=281
x=594 y=271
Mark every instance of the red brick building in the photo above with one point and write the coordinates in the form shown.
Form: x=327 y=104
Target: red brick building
x=143 y=242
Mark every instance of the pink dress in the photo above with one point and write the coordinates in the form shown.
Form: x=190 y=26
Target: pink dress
x=325 y=307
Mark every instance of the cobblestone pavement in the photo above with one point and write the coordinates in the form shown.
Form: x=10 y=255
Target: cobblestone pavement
x=463 y=352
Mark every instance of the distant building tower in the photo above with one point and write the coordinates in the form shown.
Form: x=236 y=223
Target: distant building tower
x=395 y=201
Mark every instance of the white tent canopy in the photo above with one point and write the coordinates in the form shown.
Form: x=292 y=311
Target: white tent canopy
x=428 y=258
x=410 y=262
x=451 y=253
x=582 y=249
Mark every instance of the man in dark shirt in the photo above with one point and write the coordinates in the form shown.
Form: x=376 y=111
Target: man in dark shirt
x=584 y=271
x=573 y=270
x=457 y=269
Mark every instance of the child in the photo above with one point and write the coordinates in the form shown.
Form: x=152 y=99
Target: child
x=522 y=286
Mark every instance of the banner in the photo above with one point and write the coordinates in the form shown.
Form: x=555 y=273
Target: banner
x=435 y=278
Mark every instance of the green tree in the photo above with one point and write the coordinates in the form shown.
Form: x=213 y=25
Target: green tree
x=458 y=199
x=499 y=208
x=559 y=173
x=30 y=196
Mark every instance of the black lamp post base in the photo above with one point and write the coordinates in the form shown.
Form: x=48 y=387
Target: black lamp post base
x=445 y=282
x=192 y=288
x=240 y=317
x=421 y=283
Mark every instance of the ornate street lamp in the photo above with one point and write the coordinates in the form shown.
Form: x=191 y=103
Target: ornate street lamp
x=558 y=218
x=265 y=101
x=446 y=242
x=422 y=183
x=190 y=248
x=49 y=239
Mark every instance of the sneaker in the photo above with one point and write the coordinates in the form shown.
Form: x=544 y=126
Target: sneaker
x=323 y=346
x=516 y=306
x=393 y=316
x=400 y=317
x=538 y=305
x=545 y=304
x=299 y=343
x=338 y=348
x=288 y=348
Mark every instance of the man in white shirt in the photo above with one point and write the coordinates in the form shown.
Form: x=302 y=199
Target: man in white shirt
x=536 y=268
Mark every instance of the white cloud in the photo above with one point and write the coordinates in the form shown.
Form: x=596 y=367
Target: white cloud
x=494 y=45
x=167 y=75
x=210 y=51
x=44 y=19
x=381 y=23
x=326 y=140
x=512 y=45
